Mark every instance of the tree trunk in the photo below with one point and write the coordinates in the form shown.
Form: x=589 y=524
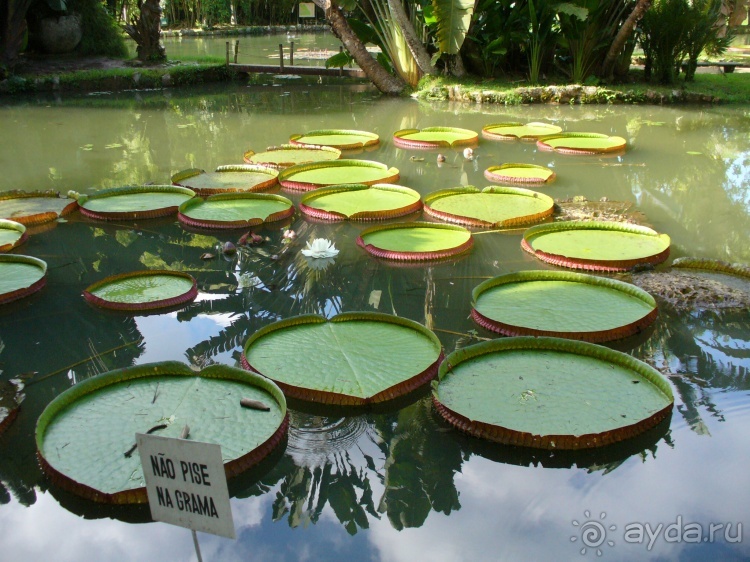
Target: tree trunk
x=418 y=50
x=627 y=29
x=12 y=30
x=145 y=31
x=379 y=76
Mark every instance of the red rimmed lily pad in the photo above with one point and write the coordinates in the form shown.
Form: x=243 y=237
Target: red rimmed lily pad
x=582 y=143
x=134 y=202
x=434 y=137
x=527 y=174
x=343 y=139
x=32 y=208
x=494 y=206
x=415 y=241
x=550 y=393
x=305 y=177
x=562 y=304
x=85 y=437
x=522 y=131
x=353 y=359
x=360 y=202
x=596 y=246
x=20 y=276
x=235 y=210
x=142 y=290
x=12 y=235
x=286 y=155
x=227 y=179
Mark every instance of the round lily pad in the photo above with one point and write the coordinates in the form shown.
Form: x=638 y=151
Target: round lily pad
x=415 y=241
x=360 y=202
x=550 y=393
x=280 y=157
x=434 y=137
x=32 y=208
x=337 y=138
x=227 y=179
x=234 y=210
x=353 y=359
x=142 y=290
x=522 y=131
x=20 y=276
x=494 y=206
x=597 y=246
x=527 y=174
x=305 y=177
x=581 y=143
x=12 y=235
x=85 y=437
x=135 y=202
x=562 y=304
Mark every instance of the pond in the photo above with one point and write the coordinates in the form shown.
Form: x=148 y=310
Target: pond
x=396 y=484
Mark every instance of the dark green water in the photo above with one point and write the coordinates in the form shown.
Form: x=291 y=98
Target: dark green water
x=391 y=485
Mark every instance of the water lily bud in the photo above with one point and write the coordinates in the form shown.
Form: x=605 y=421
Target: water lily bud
x=229 y=248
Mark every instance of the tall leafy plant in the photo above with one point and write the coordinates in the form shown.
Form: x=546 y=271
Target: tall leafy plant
x=541 y=20
x=704 y=33
x=663 y=31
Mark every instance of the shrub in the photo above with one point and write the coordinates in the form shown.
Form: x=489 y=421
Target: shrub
x=101 y=34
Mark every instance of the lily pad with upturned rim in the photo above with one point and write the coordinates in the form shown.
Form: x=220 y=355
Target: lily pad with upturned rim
x=227 y=179
x=550 y=393
x=142 y=290
x=83 y=435
x=415 y=241
x=235 y=210
x=434 y=137
x=134 y=202
x=353 y=359
x=343 y=139
x=12 y=235
x=596 y=246
x=517 y=130
x=494 y=206
x=360 y=202
x=305 y=177
x=286 y=155
x=527 y=174
x=581 y=143
x=20 y=276
x=32 y=208
x=562 y=304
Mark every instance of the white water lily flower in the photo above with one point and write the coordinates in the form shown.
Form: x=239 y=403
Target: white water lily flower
x=320 y=248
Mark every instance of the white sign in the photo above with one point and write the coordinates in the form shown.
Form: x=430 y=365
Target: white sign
x=186 y=484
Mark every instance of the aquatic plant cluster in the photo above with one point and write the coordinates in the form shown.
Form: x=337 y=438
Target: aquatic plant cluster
x=508 y=390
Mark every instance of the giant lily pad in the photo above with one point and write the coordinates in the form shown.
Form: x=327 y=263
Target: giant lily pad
x=597 y=246
x=342 y=139
x=20 y=276
x=355 y=358
x=494 y=206
x=12 y=235
x=235 y=210
x=227 y=179
x=136 y=202
x=581 y=143
x=31 y=208
x=287 y=155
x=305 y=177
x=515 y=131
x=527 y=174
x=563 y=304
x=360 y=202
x=85 y=437
x=142 y=290
x=434 y=137
x=550 y=393
x=415 y=241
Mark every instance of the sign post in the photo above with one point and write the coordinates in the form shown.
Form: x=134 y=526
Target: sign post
x=186 y=484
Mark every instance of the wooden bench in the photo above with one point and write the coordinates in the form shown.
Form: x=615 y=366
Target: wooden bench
x=728 y=67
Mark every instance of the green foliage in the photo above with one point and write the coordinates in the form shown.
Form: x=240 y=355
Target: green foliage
x=101 y=34
x=453 y=19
